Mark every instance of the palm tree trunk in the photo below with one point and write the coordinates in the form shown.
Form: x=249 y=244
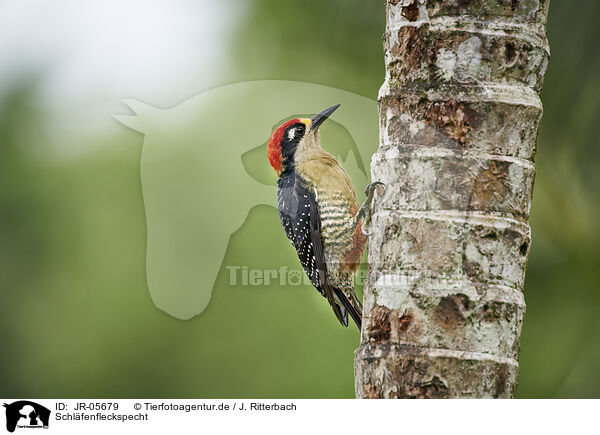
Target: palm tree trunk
x=459 y=115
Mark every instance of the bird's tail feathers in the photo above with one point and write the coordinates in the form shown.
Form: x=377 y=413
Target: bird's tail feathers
x=347 y=307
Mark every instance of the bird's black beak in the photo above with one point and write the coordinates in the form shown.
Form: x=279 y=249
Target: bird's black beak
x=318 y=119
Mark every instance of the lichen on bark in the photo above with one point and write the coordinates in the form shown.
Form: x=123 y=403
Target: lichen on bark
x=459 y=116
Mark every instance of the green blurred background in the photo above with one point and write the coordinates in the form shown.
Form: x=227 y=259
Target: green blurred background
x=76 y=319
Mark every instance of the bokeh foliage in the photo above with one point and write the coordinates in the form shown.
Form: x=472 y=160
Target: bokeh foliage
x=76 y=317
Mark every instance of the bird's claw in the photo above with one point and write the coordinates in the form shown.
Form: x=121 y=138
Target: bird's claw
x=370 y=189
x=362 y=230
x=365 y=210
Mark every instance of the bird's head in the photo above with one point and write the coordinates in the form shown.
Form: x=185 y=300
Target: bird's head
x=295 y=138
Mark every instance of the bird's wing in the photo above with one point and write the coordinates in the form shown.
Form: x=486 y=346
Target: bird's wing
x=300 y=218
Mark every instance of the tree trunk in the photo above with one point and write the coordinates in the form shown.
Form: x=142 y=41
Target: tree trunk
x=459 y=114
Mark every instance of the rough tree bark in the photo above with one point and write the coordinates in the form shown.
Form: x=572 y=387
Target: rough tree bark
x=459 y=114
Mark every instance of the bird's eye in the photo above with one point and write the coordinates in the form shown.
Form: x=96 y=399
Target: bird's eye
x=300 y=131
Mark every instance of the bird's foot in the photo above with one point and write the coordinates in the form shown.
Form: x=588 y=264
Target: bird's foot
x=364 y=212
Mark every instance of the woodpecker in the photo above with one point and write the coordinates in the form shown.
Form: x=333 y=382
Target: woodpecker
x=319 y=211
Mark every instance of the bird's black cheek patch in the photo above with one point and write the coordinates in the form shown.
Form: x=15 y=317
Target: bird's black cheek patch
x=288 y=149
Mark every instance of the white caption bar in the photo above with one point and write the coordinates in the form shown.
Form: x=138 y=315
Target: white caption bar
x=160 y=416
